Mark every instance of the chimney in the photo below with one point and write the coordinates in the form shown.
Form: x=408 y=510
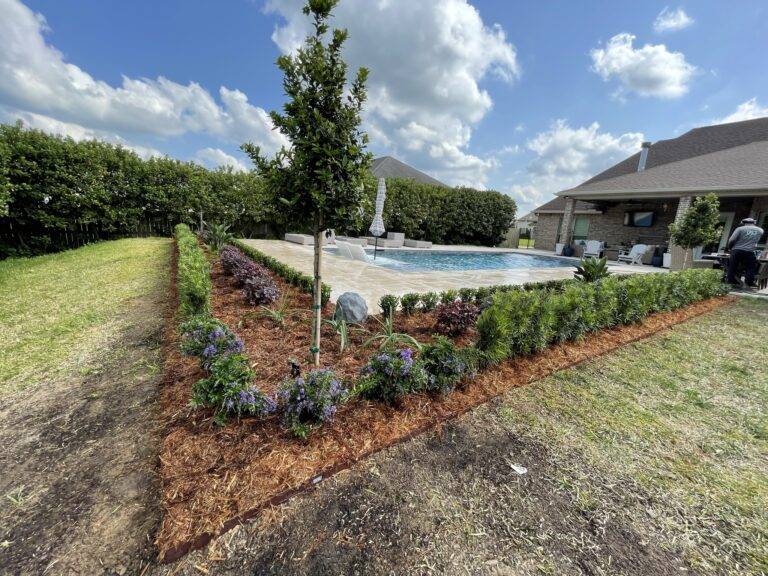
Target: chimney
x=643 y=156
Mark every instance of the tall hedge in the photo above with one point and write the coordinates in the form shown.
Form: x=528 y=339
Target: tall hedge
x=193 y=279
x=442 y=215
x=53 y=190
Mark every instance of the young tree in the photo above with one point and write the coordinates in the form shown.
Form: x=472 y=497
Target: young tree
x=699 y=226
x=318 y=180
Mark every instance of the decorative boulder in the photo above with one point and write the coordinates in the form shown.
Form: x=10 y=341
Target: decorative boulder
x=352 y=308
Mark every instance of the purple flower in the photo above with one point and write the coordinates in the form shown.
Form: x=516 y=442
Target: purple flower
x=230 y=404
x=209 y=350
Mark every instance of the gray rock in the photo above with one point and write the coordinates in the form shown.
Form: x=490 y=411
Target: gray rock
x=352 y=308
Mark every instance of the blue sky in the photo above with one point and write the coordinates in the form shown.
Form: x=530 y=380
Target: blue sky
x=527 y=98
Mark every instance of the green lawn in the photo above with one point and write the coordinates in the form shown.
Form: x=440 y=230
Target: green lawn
x=58 y=310
x=525 y=243
x=673 y=429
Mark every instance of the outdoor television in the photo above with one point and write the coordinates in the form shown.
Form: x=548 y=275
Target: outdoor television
x=639 y=219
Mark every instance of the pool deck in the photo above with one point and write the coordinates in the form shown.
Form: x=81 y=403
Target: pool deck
x=372 y=282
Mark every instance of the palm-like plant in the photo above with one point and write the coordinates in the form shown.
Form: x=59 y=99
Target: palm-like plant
x=218 y=235
x=278 y=313
x=592 y=269
x=388 y=338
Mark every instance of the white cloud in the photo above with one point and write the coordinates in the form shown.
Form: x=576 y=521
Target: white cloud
x=74 y=131
x=215 y=157
x=565 y=156
x=649 y=71
x=427 y=60
x=745 y=111
x=671 y=20
x=35 y=77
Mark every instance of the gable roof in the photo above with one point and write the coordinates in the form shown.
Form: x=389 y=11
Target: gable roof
x=722 y=157
x=388 y=167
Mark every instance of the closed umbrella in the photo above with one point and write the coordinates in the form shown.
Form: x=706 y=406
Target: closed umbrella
x=377 y=226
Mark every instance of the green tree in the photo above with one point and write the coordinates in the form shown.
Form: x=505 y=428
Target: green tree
x=319 y=179
x=699 y=226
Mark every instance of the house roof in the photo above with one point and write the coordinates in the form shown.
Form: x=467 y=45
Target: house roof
x=727 y=157
x=388 y=167
x=557 y=206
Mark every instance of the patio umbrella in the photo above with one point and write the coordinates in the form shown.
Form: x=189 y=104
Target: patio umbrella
x=377 y=226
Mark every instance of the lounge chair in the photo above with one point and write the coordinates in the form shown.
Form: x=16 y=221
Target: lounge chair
x=417 y=243
x=357 y=252
x=384 y=242
x=396 y=238
x=634 y=256
x=593 y=249
x=305 y=239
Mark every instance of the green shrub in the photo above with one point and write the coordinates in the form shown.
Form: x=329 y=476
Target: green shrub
x=390 y=375
x=525 y=321
x=467 y=294
x=448 y=296
x=309 y=401
x=388 y=304
x=229 y=390
x=429 y=301
x=194 y=274
x=292 y=276
x=408 y=303
x=592 y=269
x=446 y=365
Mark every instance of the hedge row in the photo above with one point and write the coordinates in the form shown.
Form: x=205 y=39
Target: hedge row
x=524 y=322
x=194 y=274
x=288 y=273
x=427 y=301
x=55 y=192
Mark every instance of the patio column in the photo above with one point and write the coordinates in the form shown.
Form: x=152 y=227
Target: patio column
x=677 y=253
x=566 y=226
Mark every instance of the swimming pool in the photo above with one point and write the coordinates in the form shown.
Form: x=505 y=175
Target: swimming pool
x=446 y=260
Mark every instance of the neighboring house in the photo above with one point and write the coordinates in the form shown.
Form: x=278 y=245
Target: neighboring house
x=526 y=222
x=388 y=167
x=636 y=200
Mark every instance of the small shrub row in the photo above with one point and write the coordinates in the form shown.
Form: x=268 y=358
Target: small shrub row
x=255 y=279
x=295 y=278
x=524 y=322
x=193 y=274
x=428 y=301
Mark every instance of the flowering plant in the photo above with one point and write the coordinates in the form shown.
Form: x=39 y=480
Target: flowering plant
x=208 y=339
x=307 y=401
x=446 y=366
x=389 y=376
x=229 y=390
x=260 y=290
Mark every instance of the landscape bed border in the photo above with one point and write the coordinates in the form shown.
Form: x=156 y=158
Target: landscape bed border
x=647 y=326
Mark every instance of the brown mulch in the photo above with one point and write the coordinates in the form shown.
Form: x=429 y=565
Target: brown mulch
x=215 y=477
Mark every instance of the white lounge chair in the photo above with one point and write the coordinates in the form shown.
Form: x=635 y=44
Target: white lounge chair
x=305 y=239
x=357 y=252
x=360 y=241
x=417 y=243
x=593 y=249
x=396 y=239
x=343 y=249
x=635 y=255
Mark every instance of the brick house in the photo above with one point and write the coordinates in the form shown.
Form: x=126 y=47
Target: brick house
x=636 y=200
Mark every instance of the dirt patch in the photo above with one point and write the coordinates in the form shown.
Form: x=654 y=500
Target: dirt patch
x=445 y=503
x=79 y=460
x=215 y=477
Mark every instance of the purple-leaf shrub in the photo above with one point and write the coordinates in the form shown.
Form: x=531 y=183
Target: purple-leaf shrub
x=260 y=290
x=456 y=317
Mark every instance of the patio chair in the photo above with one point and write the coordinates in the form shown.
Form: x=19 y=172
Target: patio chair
x=395 y=239
x=762 y=275
x=634 y=256
x=593 y=249
x=305 y=239
x=357 y=252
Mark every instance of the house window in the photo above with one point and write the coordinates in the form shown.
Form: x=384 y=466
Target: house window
x=580 y=228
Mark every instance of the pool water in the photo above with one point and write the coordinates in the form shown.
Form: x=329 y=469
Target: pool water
x=443 y=260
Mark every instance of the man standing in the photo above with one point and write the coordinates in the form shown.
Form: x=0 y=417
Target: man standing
x=742 y=245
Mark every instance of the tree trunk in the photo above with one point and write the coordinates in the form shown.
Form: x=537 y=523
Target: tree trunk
x=317 y=299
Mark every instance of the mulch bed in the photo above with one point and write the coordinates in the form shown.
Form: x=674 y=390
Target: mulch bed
x=216 y=477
